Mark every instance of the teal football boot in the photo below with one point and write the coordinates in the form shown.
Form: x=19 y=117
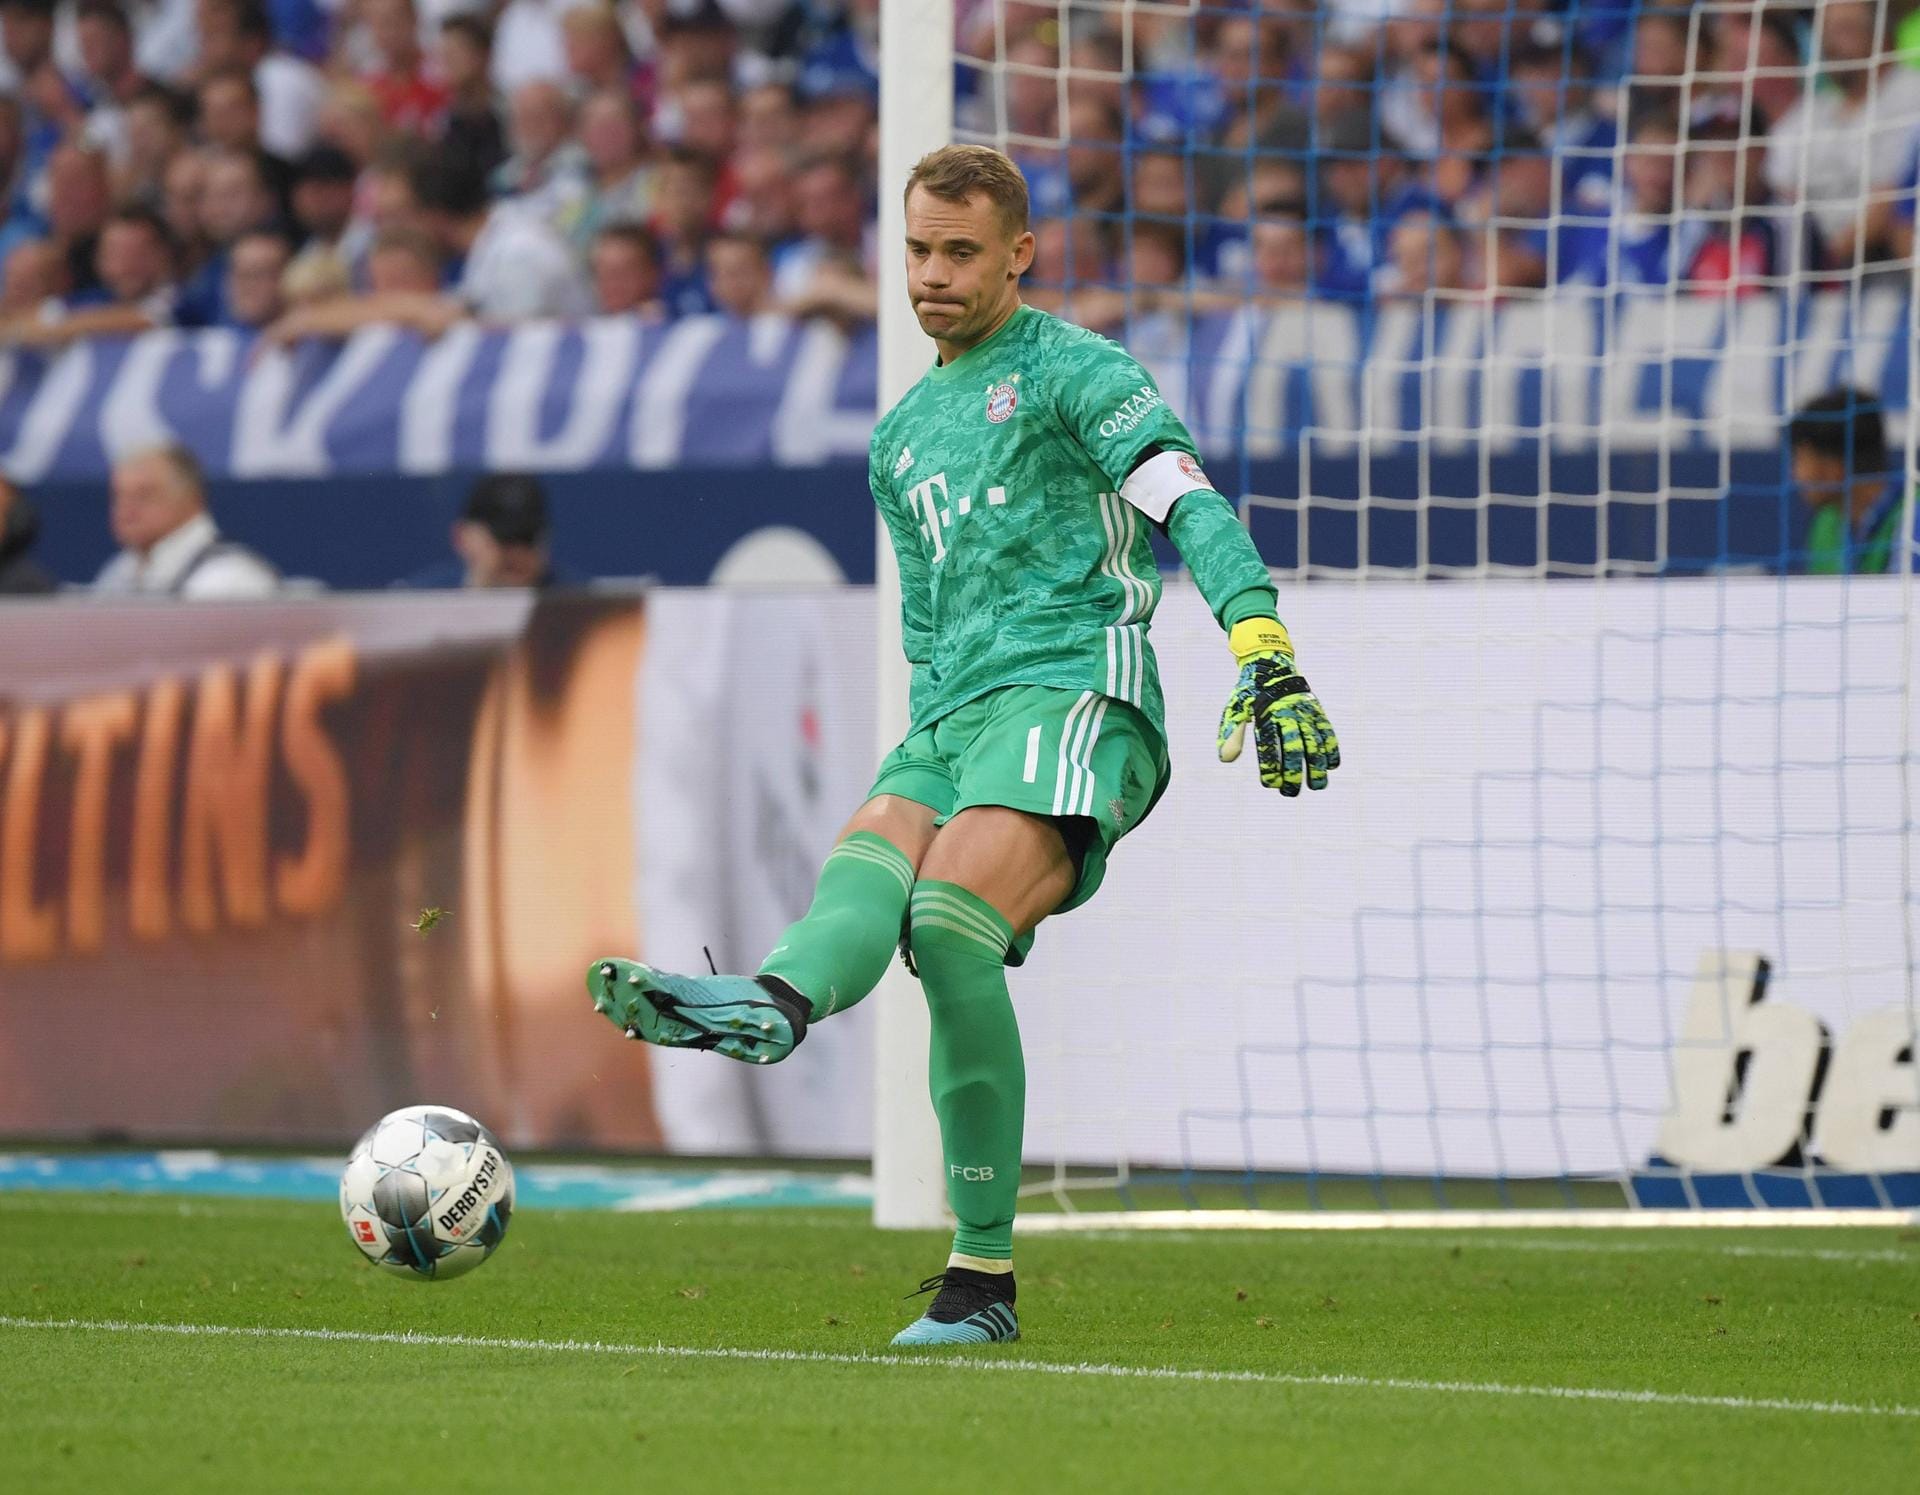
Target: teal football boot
x=969 y=1308
x=736 y=1016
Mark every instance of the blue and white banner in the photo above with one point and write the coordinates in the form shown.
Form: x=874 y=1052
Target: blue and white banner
x=1586 y=372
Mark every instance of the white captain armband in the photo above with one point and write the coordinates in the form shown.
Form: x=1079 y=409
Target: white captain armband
x=1161 y=481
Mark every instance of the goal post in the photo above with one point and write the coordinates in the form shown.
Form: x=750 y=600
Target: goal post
x=1503 y=325
x=916 y=116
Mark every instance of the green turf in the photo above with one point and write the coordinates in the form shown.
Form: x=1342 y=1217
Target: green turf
x=1753 y=1315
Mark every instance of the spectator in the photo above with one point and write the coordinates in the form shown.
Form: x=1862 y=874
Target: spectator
x=738 y=275
x=19 y=224
x=256 y=270
x=708 y=122
x=183 y=190
x=323 y=191
x=230 y=111
x=1636 y=244
x=1664 y=46
x=472 y=121
x=110 y=80
x=79 y=197
x=1735 y=237
x=169 y=544
x=1553 y=97
x=683 y=217
x=1283 y=253
x=26 y=42
x=769 y=118
x=236 y=198
x=237 y=34
x=158 y=125
x=20 y=574
x=1846 y=141
x=546 y=175
x=763 y=199
x=1756 y=55
x=625 y=261
x=514 y=265
x=1424 y=257
x=1838 y=447
x=35 y=276
x=619 y=185
x=408 y=98
x=597 y=53
x=836 y=234
x=136 y=272
x=1363 y=192
x=503 y=538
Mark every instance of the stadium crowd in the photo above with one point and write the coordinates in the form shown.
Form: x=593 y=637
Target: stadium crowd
x=303 y=167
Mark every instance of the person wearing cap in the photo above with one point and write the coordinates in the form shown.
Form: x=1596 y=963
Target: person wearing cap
x=20 y=574
x=501 y=539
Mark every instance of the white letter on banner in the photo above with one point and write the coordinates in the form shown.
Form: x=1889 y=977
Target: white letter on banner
x=265 y=443
x=1466 y=331
x=660 y=395
x=1393 y=372
x=1745 y=387
x=1515 y=347
x=803 y=427
x=1332 y=353
x=1743 y=1071
x=431 y=401
x=130 y=415
x=1873 y=1080
x=50 y=414
x=611 y=347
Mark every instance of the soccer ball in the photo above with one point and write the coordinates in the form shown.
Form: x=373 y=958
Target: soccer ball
x=427 y=1193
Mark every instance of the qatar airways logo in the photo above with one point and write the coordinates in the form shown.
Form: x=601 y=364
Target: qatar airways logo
x=1132 y=410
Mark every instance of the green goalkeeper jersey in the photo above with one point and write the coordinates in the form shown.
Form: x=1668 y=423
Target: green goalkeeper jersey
x=1012 y=484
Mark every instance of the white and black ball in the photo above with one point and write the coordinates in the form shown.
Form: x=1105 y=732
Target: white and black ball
x=427 y=1193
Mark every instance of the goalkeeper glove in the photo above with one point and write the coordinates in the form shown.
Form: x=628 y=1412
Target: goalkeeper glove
x=1291 y=733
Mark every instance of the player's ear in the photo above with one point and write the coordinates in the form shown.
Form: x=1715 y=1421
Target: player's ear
x=1022 y=253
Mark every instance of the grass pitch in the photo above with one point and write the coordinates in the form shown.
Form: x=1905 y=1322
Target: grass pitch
x=730 y=1351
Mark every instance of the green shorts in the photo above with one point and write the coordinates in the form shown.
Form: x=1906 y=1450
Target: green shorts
x=1043 y=750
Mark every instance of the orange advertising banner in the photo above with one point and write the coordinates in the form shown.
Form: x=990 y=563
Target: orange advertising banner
x=225 y=831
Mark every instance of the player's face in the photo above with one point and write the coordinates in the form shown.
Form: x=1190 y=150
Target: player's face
x=963 y=267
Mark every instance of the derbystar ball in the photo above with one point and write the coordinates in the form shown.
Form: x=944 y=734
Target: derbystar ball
x=427 y=1193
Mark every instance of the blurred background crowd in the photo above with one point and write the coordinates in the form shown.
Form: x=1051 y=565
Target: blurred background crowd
x=298 y=169
x=303 y=166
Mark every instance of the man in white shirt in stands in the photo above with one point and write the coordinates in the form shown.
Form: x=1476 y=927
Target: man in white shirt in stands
x=1839 y=153
x=513 y=264
x=170 y=546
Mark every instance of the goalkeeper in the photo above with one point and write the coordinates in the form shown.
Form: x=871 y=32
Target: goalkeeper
x=1017 y=479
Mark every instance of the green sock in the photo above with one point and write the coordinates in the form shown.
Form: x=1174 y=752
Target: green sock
x=977 y=1071
x=839 y=950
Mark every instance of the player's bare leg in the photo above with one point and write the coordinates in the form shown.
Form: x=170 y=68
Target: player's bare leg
x=823 y=964
x=991 y=874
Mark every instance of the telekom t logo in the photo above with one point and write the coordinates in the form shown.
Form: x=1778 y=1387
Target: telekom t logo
x=935 y=513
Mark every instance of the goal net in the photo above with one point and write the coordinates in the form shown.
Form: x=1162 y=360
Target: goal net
x=1559 y=359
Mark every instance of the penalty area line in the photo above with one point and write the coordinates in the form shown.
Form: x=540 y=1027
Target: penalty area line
x=1013 y=1367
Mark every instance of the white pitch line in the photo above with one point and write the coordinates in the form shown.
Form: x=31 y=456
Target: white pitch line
x=1028 y=1367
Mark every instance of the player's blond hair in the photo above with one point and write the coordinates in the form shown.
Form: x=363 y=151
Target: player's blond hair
x=955 y=172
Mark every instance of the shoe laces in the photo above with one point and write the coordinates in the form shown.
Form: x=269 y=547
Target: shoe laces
x=957 y=1297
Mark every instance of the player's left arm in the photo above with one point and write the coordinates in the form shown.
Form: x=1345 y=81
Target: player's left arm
x=1118 y=415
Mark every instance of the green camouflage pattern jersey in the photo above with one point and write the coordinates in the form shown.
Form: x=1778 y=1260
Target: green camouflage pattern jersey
x=1000 y=476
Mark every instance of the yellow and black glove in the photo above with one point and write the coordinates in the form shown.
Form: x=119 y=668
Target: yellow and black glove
x=1291 y=734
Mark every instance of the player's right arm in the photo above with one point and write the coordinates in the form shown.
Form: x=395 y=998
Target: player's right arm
x=916 y=575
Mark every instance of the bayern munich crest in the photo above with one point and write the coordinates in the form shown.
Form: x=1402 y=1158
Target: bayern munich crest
x=1191 y=468
x=1001 y=401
